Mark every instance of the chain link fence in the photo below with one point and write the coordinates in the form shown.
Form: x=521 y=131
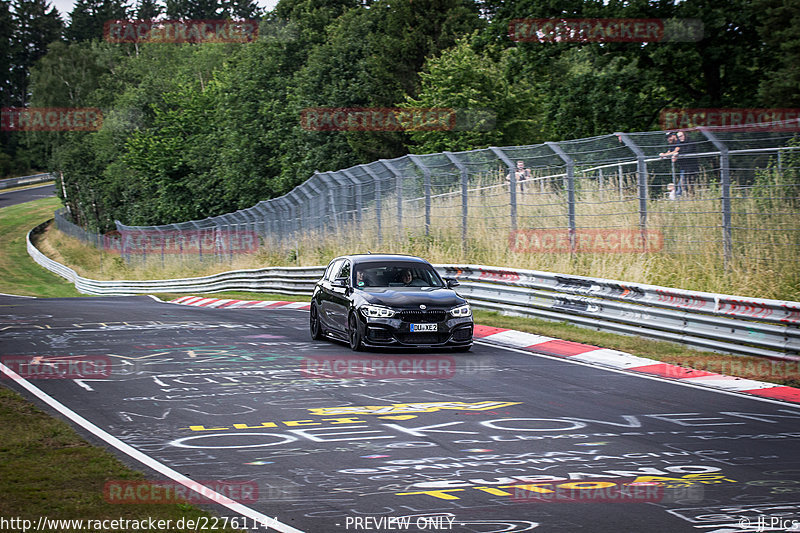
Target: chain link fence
x=730 y=193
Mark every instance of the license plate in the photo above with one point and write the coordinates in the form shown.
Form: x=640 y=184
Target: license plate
x=424 y=327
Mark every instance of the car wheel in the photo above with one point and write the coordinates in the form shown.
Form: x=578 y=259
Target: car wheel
x=356 y=342
x=314 y=325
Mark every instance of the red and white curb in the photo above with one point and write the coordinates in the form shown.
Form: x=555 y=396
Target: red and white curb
x=624 y=361
x=198 y=301
x=585 y=353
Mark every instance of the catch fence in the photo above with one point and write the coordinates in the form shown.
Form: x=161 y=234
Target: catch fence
x=736 y=195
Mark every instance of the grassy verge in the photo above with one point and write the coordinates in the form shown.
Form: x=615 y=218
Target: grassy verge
x=18 y=273
x=48 y=470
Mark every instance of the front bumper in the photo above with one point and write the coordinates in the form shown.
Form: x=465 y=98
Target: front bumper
x=452 y=332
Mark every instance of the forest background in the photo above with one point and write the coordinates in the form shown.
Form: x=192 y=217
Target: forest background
x=198 y=130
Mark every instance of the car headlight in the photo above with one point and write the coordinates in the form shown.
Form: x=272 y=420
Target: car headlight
x=374 y=311
x=461 y=311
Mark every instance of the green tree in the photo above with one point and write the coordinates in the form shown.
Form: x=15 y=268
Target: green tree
x=88 y=18
x=476 y=86
x=780 y=30
x=6 y=56
x=67 y=76
x=36 y=25
x=147 y=9
x=372 y=58
x=194 y=9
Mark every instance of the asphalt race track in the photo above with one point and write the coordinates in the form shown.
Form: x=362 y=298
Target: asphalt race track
x=325 y=441
x=20 y=196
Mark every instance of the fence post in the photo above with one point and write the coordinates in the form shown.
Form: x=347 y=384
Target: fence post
x=512 y=177
x=325 y=178
x=464 y=200
x=343 y=187
x=426 y=172
x=725 y=182
x=284 y=221
x=359 y=199
x=570 y=191
x=399 y=191
x=378 y=202
x=641 y=180
x=600 y=181
x=296 y=208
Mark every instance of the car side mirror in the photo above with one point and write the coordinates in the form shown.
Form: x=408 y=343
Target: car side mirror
x=452 y=282
x=339 y=282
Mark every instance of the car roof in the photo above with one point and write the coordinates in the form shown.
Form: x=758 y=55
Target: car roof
x=379 y=258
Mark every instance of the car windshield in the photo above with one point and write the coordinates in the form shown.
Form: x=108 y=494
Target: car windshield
x=396 y=275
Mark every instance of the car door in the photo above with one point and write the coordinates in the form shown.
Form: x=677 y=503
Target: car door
x=327 y=293
x=339 y=301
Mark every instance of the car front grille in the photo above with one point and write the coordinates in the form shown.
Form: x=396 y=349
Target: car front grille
x=422 y=338
x=423 y=317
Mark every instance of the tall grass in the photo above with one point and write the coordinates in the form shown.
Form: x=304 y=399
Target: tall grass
x=763 y=263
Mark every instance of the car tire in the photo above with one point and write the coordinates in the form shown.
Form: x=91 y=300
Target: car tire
x=314 y=325
x=353 y=334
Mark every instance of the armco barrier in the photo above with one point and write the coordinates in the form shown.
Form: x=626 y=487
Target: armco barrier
x=26 y=180
x=747 y=326
x=281 y=280
x=733 y=324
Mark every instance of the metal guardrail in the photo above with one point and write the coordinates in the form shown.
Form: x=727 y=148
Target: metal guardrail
x=280 y=280
x=731 y=324
x=26 y=180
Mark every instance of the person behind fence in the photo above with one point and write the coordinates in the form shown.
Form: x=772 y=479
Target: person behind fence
x=670 y=191
x=521 y=175
x=672 y=153
x=688 y=166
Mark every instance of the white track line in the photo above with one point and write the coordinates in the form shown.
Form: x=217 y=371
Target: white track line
x=682 y=382
x=146 y=459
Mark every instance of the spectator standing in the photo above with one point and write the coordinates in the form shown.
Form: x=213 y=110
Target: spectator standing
x=521 y=175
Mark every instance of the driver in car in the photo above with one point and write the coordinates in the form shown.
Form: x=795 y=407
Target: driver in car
x=408 y=279
x=362 y=280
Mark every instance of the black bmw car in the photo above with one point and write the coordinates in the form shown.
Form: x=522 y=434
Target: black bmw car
x=389 y=300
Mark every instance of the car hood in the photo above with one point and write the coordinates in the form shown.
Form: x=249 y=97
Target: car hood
x=411 y=297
